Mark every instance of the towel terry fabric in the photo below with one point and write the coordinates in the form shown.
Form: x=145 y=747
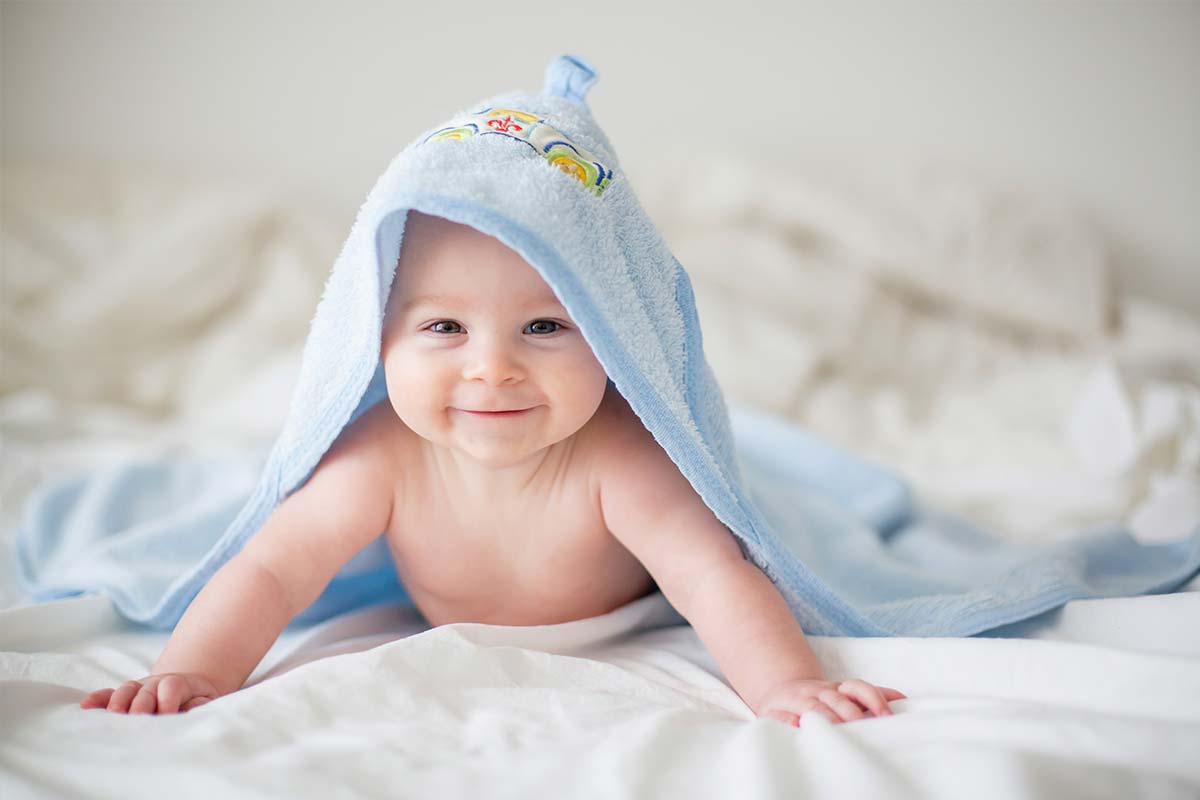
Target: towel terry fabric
x=845 y=541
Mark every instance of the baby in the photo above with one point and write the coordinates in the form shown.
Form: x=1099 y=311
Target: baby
x=514 y=486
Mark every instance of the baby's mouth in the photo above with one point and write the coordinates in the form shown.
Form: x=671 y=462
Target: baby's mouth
x=497 y=414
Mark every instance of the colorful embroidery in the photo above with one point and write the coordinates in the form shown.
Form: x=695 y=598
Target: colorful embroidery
x=533 y=131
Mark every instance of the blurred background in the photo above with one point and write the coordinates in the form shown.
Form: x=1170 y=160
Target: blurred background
x=1098 y=99
x=957 y=238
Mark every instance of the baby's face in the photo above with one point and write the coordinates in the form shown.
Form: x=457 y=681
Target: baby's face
x=472 y=328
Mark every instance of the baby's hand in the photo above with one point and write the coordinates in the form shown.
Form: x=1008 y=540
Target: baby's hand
x=167 y=693
x=834 y=700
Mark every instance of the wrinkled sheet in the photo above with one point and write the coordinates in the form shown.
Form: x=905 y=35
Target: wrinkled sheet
x=621 y=705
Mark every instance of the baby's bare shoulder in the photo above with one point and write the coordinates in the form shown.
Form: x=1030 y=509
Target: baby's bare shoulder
x=621 y=440
x=376 y=437
x=339 y=508
x=652 y=509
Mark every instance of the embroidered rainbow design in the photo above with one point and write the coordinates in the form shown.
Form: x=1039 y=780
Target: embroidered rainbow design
x=533 y=131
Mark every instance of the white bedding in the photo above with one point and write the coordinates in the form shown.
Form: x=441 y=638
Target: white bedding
x=608 y=707
x=992 y=414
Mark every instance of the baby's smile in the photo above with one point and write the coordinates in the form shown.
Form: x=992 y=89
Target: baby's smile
x=508 y=414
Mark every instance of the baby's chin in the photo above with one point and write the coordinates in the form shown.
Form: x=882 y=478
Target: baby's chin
x=500 y=451
x=493 y=450
x=494 y=443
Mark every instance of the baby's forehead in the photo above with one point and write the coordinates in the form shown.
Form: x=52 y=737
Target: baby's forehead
x=445 y=261
x=434 y=242
x=432 y=230
x=469 y=294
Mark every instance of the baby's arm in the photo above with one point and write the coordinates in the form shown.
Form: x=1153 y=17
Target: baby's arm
x=735 y=609
x=240 y=612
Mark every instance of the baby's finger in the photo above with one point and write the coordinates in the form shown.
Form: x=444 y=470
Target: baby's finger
x=119 y=701
x=97 y=699
x=843 y=705
x=145 y=701
x=870 y=696
x=786 y=717
x=195 y=701
x=171 y=692
x=824 y=710
x=893 y=694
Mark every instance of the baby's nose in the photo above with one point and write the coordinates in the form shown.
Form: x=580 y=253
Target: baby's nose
x=493 y=364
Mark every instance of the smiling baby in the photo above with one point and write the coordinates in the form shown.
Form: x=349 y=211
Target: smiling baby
x=514 y=486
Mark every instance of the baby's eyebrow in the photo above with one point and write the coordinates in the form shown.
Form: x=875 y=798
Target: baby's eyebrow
x=454 y=300
x=431 y=299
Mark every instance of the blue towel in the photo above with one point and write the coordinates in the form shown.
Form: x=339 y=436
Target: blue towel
x=845 y=541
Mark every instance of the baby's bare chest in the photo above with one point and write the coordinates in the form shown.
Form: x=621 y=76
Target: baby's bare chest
x=542 y=560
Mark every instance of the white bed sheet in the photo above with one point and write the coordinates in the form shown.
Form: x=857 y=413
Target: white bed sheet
x=1099 y=699
x=629 y=704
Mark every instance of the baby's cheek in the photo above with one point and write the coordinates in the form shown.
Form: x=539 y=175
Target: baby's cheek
x=577 y=407
x=597 y=384
x=405 y=370
x=588 y=378
x=412 y=396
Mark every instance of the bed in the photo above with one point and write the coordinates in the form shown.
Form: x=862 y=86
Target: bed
x=1005 y=375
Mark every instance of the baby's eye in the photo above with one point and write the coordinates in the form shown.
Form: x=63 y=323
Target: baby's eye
x=434 y=327
x=540 y=326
